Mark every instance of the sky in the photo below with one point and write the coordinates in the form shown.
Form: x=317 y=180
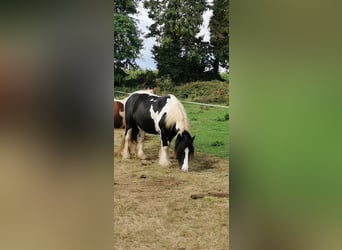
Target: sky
x=145 y=61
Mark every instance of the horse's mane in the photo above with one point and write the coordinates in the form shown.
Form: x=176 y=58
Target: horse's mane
x=176 y=116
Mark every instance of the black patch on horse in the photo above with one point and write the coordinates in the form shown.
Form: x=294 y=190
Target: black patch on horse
x=158 y=103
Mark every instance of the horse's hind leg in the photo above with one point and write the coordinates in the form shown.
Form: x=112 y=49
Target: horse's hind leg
x=140 y=147
x=127 y=138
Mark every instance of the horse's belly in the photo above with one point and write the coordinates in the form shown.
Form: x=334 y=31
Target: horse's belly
x=148 y=127
x=151 y=132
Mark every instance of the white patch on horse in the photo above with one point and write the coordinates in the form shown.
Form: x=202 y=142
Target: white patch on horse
x=185 y=165
x=156 y=116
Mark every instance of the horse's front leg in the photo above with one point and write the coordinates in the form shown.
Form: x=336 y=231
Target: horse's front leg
x=140 y=147
x=164 y=152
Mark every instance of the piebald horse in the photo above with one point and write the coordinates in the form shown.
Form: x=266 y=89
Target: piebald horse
x=163 y=115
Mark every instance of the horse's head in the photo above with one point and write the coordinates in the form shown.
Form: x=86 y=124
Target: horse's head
x=184 y=149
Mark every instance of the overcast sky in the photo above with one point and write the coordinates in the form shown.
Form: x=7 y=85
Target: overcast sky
x=145 y=61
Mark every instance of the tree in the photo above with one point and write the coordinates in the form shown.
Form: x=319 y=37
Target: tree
x=180 y=54
x=219 y=34
x=127 y=43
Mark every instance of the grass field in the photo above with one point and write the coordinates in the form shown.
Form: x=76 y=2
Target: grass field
x=210 y=125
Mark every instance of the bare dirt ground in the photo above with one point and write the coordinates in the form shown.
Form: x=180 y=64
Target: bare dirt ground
x=163 y=208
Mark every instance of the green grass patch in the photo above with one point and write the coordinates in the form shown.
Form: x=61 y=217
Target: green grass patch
x=224 y=118
x=225 y=76
x=211 y=135
x=217 y=143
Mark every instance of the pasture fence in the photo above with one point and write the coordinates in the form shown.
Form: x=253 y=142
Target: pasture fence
x=195 y=103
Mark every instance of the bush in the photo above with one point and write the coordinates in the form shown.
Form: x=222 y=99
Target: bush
x=201 y=91
x=147 y=79
x=164 y=85
x=139 y=79
x=206 y=92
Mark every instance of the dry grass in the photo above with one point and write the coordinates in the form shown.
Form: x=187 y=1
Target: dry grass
x=152 y=204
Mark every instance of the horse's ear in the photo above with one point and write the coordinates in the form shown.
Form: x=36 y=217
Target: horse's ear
x=192 y=139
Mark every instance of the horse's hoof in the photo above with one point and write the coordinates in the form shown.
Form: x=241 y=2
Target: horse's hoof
x=125 y=156
x=165 y=164
x=142 y=157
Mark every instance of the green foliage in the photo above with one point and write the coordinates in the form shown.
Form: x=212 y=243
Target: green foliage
x=125 y=6
x=219 y=33
x=147 y=79
x=165 y=85
x=214 y=91
x=206 y=92
x=127 y=43
x=180 y=55
x=132 y=75
x=140 y=79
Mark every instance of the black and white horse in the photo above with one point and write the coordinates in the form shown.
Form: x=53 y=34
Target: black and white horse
x=163 y=115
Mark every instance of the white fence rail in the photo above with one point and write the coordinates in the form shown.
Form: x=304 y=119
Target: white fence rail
x=196 y=103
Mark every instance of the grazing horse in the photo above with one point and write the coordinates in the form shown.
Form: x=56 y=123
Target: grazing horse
x=163 y=115
x=118 y=114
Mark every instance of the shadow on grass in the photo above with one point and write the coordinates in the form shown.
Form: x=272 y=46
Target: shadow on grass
x=202 y=162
